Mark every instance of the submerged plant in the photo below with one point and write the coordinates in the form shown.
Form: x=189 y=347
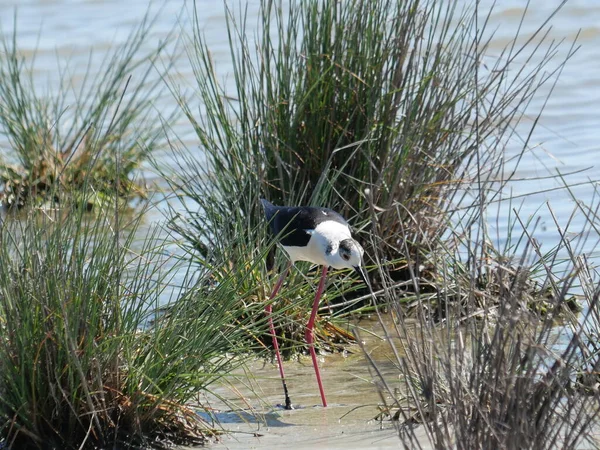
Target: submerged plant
x=97 y=132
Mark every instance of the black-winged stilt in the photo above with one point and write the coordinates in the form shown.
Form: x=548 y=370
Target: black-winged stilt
x=320 y=236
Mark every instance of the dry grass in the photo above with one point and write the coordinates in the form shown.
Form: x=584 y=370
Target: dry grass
x=482 y=368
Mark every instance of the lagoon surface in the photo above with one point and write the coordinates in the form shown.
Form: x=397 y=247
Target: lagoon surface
x=565 y=141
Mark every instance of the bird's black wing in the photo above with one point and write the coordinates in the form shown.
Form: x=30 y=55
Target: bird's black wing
x=295 y=223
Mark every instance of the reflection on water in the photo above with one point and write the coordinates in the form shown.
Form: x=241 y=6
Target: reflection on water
x=227 y=419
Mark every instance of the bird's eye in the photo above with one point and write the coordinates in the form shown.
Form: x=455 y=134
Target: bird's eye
x=345 y=256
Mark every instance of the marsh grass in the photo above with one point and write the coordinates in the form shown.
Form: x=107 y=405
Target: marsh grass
x=385 y=111
x=328 y=99
x=498 y=374
x=502 y=352
x=95 y=131
x=80 y=367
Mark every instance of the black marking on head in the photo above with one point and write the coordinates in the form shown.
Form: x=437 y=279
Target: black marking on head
x=345 y=249
x=346 y=245
x=329 y=249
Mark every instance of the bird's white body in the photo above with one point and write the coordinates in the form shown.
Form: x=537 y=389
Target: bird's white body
x=323 y=245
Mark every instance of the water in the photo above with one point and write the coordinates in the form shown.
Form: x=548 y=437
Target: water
x=565 y=141
x=349 y=421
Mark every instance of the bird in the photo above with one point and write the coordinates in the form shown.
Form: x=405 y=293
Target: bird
x=320 y=236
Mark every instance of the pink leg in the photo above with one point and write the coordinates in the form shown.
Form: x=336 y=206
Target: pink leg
x=310 y=336
x=268 y=311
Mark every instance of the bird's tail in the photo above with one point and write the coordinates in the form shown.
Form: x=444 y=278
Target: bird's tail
x=269 y=208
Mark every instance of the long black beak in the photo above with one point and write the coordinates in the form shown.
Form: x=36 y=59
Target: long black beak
x=363 y=276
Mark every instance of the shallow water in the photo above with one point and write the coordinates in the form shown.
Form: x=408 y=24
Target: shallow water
x=349 y=421
x=566 y=140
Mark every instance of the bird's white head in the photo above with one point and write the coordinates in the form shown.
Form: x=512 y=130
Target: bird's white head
x=348 y=255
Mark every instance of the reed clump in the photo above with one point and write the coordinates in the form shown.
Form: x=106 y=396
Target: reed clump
x=373 y=108
x=493 y=373
x=87 y=360
x=95 y=132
